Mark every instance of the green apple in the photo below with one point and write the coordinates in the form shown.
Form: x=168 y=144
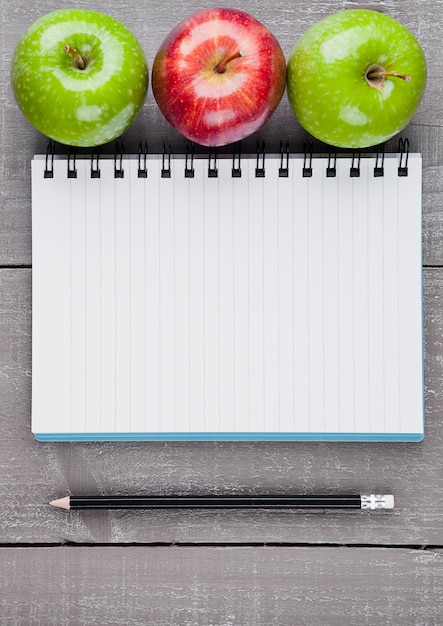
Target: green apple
x=80 y=77
x=356 y=78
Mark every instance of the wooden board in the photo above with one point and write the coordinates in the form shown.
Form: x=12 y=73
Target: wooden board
x=151 y=22
x=221 y=586
x=33 y=473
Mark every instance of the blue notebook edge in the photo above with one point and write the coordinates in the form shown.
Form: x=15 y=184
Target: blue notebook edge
x=234 y=437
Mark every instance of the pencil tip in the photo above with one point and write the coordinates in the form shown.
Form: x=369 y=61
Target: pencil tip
x=61 y=503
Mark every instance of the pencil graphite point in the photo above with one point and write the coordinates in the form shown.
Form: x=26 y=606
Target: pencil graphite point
x=61 y=503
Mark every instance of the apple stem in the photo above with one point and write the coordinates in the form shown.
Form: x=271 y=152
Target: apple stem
x=380 y=73
x=79 y=60
x=221 y=67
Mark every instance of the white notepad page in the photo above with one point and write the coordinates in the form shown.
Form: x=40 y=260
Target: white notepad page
x=224 y=307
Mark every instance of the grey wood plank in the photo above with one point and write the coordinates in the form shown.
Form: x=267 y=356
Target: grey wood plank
x=33 y=473
x=272 y=586
x=151 y=22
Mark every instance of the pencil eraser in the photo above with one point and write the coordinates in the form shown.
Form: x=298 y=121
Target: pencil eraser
x=389 y=501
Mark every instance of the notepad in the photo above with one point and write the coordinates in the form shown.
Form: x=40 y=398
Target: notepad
x=261 y=297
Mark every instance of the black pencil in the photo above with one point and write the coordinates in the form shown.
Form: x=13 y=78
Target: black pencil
x=349 y=501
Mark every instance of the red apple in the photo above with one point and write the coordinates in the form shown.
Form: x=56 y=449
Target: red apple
x=218 y=76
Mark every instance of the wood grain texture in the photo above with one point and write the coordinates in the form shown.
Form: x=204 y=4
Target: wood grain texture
x=221 y=586
x=151 y=22
x=33 y=473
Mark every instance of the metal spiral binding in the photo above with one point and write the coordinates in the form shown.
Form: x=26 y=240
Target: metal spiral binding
x=331 y=168
x=379 y=169
x=72 y=170
x=119 y=172
x=166 y=161
x=236 y=171
x=95 y=164
x=355 y=165
x=189 y=160
x=403 y=148
x=260 y=164
x=236 y=161
x=307 y=160
x=212 y=165
x=142 y=170
x=49 y=161
x=283 y=170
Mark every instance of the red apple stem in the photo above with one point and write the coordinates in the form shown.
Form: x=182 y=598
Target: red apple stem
x=79 y=60
x=221 y=67
x=380 y=73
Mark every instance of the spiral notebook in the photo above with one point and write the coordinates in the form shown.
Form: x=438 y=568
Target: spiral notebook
x=261 y=297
